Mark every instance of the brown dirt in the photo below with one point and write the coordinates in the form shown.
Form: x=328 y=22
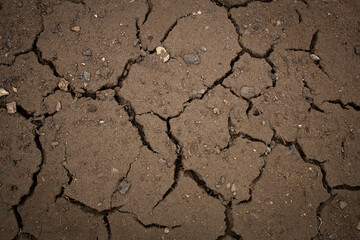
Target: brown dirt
x=260 y=140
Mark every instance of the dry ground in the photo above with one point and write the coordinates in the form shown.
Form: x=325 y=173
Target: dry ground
x=245 y=125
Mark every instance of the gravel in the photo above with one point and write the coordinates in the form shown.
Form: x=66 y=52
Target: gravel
x=87 y=76
x=192 y=58
x=87 y=52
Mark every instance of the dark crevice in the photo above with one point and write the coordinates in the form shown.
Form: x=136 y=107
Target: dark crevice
x=132 y=118
x=77 y=2
x=25 y=235
x=126 y=71
x=229 y=221
x=273 y=71
x=299 y=16
x=303 y=156
x=107 y=225
x=316 y=108
x=313 y=106
x=217 y=3
x=279 y=140
x=34 y=181
x=221 y=80
x=202 y=184
x=89 y=209
x=245 y=4
x=249 y=101
x=69 y=175
x=23 y=112
x=343 y=155
x=347 y=187
x=178 y=162
x=318 y=64
x=138 y=37
x=216 y=83
x=250 y=105
x=305 y=2
x=298 y=50
x=310 y=100
x=52 y=92
x=318 y=214
x=38 y=52
x=150 y=7
x=18 y=218
x=251 y=53
x=122 y=179
x=154 y=225
x=313 y=42
x=344 y=105
x=172 y=27
x=314 y=162
x=234 y=136
x=121 y=78
x=248 y=137
x=252 y=184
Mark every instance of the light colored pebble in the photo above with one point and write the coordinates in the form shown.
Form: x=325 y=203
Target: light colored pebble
x=11 y=107
x=3 y=92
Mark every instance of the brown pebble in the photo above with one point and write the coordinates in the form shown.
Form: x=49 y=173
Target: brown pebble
x=75 y=29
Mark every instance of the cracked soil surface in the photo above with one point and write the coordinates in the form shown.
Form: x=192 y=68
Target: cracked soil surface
x=118 y=135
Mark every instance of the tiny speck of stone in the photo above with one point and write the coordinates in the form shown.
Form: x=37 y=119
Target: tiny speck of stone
x=87 y=52
x=58 y=106
x=202 y=48
x=357 y=50
x=233 y=187
x=166 y=230
x=343 y=204
x=136 y=41
x=75 y=29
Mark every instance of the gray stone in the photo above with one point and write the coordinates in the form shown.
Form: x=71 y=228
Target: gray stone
x=87 y=76
x=202 y=48
x=357 y=50
x=192 y=58
x=87 y=52
x=55 y=29
x=8 y=46
x=124 y=186
x=136 y=42
x=247 y=92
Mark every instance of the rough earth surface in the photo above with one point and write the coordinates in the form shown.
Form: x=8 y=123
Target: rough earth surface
x=160 y=119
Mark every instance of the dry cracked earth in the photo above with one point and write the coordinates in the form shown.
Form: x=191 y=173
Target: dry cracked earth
x=159 y=119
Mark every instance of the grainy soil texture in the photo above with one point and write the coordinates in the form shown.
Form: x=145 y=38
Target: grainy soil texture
x=180 y=119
